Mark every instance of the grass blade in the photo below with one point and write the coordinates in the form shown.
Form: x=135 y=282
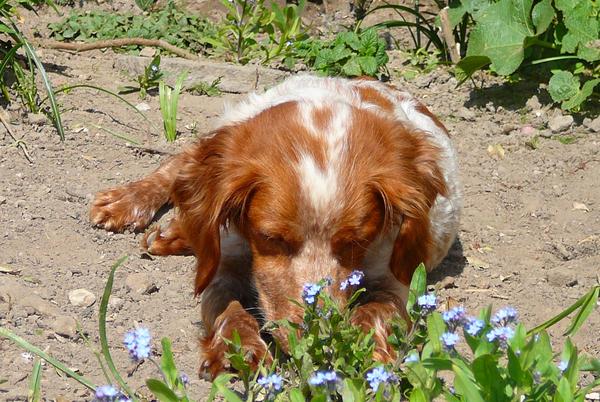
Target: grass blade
x=586 y=309
x=5 y=333
x=49 y=90
x=102 y=329
x=35 y=381
x=106 y=91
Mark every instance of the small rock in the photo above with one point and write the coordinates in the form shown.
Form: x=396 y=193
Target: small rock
x=508 y=128
x=448 y=283
x=528 y=130
x=593 y=125
x=533 y=103
x=65 y=326
x=546 y=133
x=142 y=107
x=38 y=119
x=593 y=396
x=147 y=52
x=572 y=283
x=139 y=283
x=560 y=123
x=2 y=200
x=466 y=114
x=81 y=297
x=41 y=306
x=115 y=303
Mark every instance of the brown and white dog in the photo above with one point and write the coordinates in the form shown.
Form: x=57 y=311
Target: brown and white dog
x=314 y=178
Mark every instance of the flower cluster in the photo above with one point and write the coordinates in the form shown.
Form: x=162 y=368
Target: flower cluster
x=354 y=279
x=327 y=379
x=502 y=332
x=379 y=375
x=137 y=342
x=427 y=303
x=449 y=340
x=473 y=326
x=108 y=393
x=272 y=384
x=411 y=358
x=455 y=317
x=310 y=291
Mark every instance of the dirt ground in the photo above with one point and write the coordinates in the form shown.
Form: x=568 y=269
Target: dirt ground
x=530 y=235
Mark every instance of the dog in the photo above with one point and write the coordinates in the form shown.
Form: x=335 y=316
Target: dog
x=312 y=179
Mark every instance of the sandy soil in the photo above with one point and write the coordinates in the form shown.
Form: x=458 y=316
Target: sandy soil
x=530 y=234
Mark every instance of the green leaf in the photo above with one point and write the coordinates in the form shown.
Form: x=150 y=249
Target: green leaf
x=435 y=329
x=488 y=377
x=167 y=362
x=296 y=396
x=459 y=8
x=368 y=65
x=563 y=85
x=417 y=395
x=161 y=390
x=563 y=391
x=542 y=15
x=418 y=285
x=352 y=68
x=588 y=305
x=469 y=65
x=6 y=29
x=351 y=39
x=583 y=28
x=581 y=96
x=35 y=381
x=368 y=42
x=466 y=387
x=500 y=34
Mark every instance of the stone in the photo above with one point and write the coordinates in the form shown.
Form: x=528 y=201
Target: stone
x=2 y=200
x=139 y=283
x=65 y=326
x=142 y=107
x=39 y=305
x=593 y=396
x=560 y=123
x=592 y=125
x=466 y=114
x=38 y=119
x=533 y=103
x=81 y=297
x=148 y=52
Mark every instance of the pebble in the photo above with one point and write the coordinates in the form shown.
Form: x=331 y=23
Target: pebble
x=139 y=283
x=560 y=123
x=528 y=130
x=2 y=200
x=147 y=52
x=533 y=103
x=466 y=114
x=142 y=107
x=593 y=396
x=593 y=125
x=38 y=119
x=81 y=297
x=65 y=326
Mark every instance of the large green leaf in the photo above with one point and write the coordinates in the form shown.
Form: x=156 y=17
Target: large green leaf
x=542 y=15
x=563 y=85
x=583 y=28
x=500 y=34
x=472 y=7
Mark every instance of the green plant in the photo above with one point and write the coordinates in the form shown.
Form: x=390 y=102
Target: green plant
x=350 y=54
x=169 y=99
x=331 y=360
x=170 y=24
x=512 y=34
x=10 y=62
x=206 y=88
x=148 y=80
x=145 y=5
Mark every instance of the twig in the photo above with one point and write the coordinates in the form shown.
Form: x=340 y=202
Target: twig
x=101 y=44
x=148 y=150
x=449 y=36
x=19 y=143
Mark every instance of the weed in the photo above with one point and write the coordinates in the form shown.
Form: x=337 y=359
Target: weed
x=206 y=88
x=169 y=99
x=533 y=143
x=566 y=139
x=145 y=5
x=147 y=81
x=350 y=54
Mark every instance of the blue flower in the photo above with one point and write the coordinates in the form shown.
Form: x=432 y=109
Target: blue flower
x=411 y=358
x=354 y=279
x=501 y=335
x=427 y=303
x=310 y=292
x=108 y=393
x=328 y=379
x=473 y=326
x=505 y=316
x=379 y=375
x=455 y=317
x=271 y=383
x=185 y=380
x=137 y=342
x=563 y=366
x=449 y=339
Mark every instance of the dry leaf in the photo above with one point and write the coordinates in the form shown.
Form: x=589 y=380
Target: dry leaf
x=496 y=151
x=8 y=270
x=579 y=206
x=477 y=263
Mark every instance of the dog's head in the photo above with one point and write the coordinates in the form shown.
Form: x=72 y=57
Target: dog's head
x=313 y=188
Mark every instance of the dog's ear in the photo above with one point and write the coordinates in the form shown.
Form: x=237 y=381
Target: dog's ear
x=211 y=192
x=408 y=188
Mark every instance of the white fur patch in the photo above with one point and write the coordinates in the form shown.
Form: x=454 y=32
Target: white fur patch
x=320 y=187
